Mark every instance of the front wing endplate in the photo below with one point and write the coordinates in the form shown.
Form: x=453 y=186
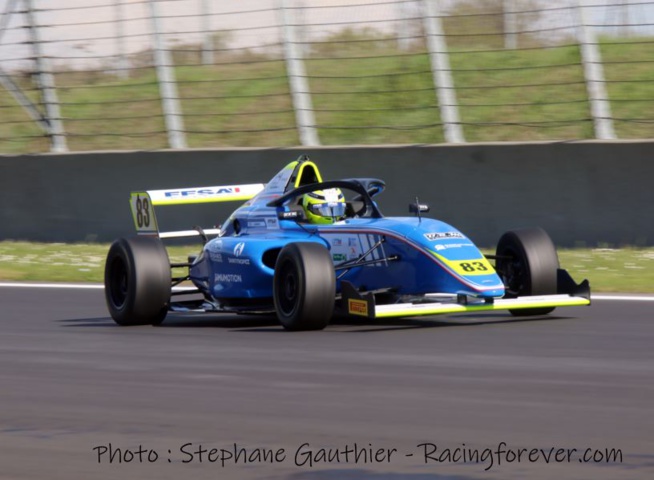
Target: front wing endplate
x=363 y=304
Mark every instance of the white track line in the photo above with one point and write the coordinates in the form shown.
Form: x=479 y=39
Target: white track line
x=70 y=286
x=85 y=286
x=96 y=286
x=627 y=298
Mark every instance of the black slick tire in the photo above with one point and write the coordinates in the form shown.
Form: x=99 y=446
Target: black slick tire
x=527 y=263
x=137 y=281
x=304 y=286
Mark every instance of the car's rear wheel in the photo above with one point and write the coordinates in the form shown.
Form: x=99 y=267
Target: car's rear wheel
x=137 y=281
x=304 y=286
x=527 y=263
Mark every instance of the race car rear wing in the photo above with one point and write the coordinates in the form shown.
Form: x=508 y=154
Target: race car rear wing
x=142 y=204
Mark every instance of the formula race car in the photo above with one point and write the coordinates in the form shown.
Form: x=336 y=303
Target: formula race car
x=307 y=249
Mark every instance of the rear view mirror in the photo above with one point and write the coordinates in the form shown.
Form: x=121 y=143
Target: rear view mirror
x=418 y=208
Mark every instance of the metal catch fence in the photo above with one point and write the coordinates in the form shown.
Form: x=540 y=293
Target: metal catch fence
x=151 y=74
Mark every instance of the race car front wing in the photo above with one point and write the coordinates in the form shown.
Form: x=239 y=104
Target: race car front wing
x=569 y=294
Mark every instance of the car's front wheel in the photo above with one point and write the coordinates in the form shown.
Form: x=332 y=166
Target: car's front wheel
x=304 y=286
x=137 y=281
x=527 y=263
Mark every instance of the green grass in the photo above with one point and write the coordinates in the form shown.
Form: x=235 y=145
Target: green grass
x=223 y=103
x=60 y=262
x=609 y=270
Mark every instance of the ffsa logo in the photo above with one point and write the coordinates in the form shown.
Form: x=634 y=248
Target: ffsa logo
x=202 y=192
x=238 y=249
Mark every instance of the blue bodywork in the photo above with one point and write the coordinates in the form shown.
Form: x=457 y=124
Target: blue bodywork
x=410 y=255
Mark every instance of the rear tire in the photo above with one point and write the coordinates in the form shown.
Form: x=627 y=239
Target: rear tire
x=137 y=281
x=531 y=266
x=304 y=286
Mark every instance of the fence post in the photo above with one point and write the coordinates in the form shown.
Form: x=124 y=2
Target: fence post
x=46 y=85
x=510 y=22
x=6 y=16
x=207 y=43
x=122 y=70
x=600 y=107
x=167 y=84
x=297 y=77
x=403 y=30
x=442 y=73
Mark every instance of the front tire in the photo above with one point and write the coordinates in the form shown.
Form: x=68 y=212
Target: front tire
x=137 y=281
x=304 y=286
x=527 y=263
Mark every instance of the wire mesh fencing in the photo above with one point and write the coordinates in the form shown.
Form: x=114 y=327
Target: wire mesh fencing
x=151 y=74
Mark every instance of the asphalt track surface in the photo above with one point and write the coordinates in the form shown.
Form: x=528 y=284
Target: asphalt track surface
x=71 y=380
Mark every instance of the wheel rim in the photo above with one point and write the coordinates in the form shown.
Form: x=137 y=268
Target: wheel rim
x=118 y=283
x=288 y=288
x=513 y=273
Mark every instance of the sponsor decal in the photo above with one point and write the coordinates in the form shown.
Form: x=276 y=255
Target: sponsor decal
x=272 y=223
x=452 y=245
x=337 y=242
x=339 y=257
x=292 y=215
x=227 y=278
x=215 y=245
x=256 y=224
x=357 y=307
x=216 y=257
x=239 y=261
x=472 y=267
x=238 y=249
x=440 y=235
x=352 y=242
x=203 y=192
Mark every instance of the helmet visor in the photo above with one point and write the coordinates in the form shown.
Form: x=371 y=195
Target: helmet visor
x=330 y=209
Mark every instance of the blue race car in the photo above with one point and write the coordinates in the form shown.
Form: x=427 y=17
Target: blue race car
x=306 y=249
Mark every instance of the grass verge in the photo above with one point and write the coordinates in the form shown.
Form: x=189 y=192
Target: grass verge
x=362 y=93
x=609 y=270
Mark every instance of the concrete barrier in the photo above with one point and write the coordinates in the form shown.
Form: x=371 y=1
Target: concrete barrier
x=583 y=193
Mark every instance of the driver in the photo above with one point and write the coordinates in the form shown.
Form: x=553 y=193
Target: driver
x=324 y=206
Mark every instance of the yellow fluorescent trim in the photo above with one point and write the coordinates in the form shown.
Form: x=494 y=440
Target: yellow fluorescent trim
x=383 y=311
x=186 y=201
x=302 y=167
x=477 y=266
x=291 y=166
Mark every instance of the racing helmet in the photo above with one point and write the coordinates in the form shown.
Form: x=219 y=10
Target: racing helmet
x=324 y=206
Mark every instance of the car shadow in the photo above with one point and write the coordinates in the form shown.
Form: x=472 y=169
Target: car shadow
x=371 y=325
x=87 y=322
x=268 y=323
x=209 y=320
